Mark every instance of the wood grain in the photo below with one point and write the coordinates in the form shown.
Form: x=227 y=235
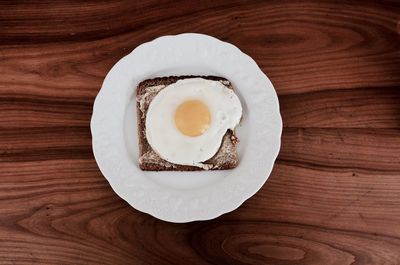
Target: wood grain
x=350 y=108
x=332 y=198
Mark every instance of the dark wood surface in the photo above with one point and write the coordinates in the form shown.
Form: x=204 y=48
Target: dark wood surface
x=333 y=196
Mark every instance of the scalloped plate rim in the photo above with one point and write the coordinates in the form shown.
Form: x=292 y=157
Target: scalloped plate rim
x=207 y=216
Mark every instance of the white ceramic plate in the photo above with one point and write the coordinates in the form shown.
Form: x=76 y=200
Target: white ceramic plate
x=185 y=196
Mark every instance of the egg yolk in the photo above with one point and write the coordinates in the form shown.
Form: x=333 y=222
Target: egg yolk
x=192 y=118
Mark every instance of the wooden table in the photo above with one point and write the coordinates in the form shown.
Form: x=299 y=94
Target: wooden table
x=333 y=196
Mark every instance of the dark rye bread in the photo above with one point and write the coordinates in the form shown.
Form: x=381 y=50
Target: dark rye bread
x=149 y=160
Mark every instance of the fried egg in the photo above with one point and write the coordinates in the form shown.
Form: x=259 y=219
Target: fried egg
x=186 y=121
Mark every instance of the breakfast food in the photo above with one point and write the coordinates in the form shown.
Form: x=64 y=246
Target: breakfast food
x=187 y=123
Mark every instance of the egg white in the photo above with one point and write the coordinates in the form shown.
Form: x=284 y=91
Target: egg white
x=170 y=144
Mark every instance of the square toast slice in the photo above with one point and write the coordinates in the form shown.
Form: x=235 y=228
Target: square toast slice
x=149 y=160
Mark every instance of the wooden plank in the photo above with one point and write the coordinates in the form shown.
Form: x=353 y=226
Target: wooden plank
x=308 y=46
x=30 y=111
x=280 y=243
x=343 y=199
x=328 y=177
x=364 y=149
x=359 y=149
x=220 y=243
x=37 y=144
x=301 y=213
x=313 y=196
x=354 y=108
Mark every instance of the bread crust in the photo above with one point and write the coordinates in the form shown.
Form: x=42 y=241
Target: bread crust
x=149 y=160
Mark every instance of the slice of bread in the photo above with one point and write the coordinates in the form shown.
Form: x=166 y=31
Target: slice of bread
x=149 y=160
